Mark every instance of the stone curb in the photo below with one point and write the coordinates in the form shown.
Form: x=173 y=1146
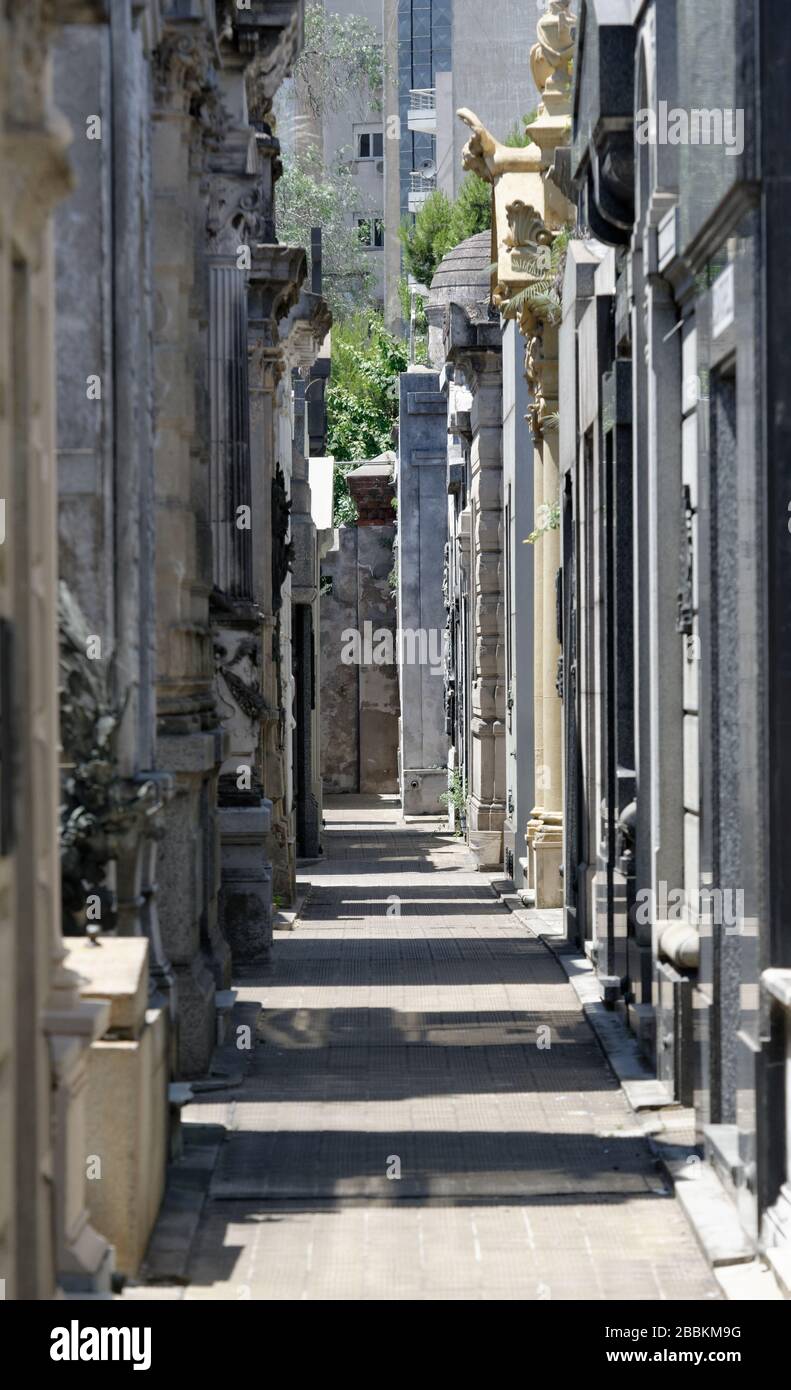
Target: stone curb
x=742 y=1272
x=189 y=1178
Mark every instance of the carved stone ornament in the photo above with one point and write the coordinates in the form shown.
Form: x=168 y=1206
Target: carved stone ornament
x=550 y=57
x=185 y=78
x=527 y=239
x=487 y=157
x=540 y=374
x=273 y=52
x=238 y=212
x=245 y=693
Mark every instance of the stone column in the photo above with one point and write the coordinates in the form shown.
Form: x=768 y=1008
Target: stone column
x=188 y=737
x=303 y=333
x=45 y=1029
x=422 y=527
x=244 y=814
x=276 y=277
x=545 y=830
x=473 y=344
x=529 y=210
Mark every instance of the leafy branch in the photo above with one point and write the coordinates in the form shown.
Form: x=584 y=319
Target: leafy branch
x=543 y=295
x=548 y=518
x=342 y=54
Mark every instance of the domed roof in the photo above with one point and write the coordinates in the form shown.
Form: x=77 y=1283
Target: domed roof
x=464 y=274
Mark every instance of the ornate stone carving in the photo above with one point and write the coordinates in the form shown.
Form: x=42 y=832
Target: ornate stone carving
x=273 y=53
x=275 y=280
x=487 y=157
x=185 y=77
x=244 y=692
x=238 y=212
x=268 y=43
x=526 y=230
x=526 y=217
x=550 y=57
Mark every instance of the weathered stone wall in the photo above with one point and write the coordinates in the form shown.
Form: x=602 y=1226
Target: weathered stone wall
x=46 y=1237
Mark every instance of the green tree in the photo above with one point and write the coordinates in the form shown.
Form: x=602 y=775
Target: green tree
x=426 y=240
x=472 y=210
x=342 y=54
x=362 y=397
x=308 y=196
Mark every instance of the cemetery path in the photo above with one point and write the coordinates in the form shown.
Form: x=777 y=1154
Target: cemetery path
x=426 y=1113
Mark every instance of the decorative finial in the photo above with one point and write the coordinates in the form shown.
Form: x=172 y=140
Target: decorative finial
x=550 y=57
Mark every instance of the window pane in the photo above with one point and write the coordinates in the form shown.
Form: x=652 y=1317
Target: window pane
x=364 y=145
x=378 y=148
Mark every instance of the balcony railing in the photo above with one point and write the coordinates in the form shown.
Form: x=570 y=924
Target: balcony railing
x=422 y=113
x=420 y=185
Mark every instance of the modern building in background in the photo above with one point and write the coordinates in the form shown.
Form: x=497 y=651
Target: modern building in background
x=433 y=61
x=350 y=131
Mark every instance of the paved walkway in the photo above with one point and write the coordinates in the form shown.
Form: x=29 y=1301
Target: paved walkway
x=426 y=1114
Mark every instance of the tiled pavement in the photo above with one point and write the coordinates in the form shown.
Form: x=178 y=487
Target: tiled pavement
x=412 y=1023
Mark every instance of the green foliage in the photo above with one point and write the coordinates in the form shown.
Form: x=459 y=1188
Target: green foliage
x=472 y=210
x=441 y=224
x=520 y=138
x=342 y=54
x=544 y=295
x=426 y=240
x=456 y=797
x=362 y=397
x=344 y=512
x=308 y=196
x=547 y=516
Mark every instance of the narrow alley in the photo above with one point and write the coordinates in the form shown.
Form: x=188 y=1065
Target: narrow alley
x=426 y=1113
